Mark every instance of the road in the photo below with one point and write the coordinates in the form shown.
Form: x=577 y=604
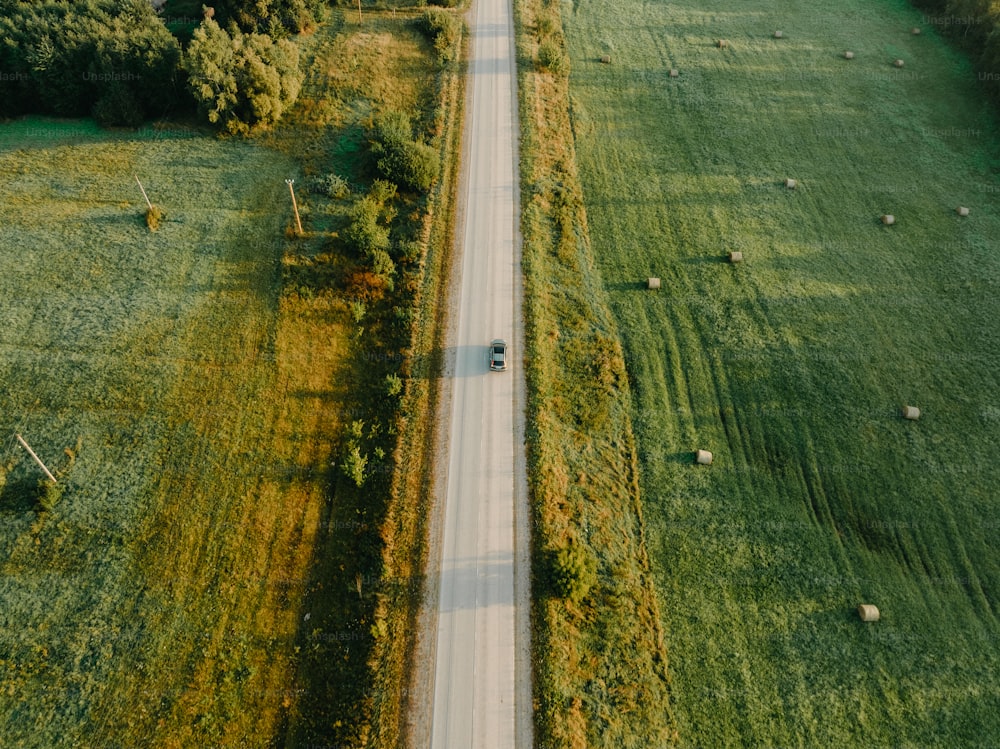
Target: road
x=482 y=694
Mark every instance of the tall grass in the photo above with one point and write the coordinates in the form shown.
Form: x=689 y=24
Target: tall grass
x=792 y=367
x=600 y=670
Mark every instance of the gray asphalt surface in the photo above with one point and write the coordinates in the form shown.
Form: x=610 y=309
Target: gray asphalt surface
x=481 y=683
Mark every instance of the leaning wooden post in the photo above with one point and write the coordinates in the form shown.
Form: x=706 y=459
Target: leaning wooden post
x=143 y=192
x=37 y=459
x=295 y=206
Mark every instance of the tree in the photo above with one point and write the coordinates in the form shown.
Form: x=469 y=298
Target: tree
x=241 y=81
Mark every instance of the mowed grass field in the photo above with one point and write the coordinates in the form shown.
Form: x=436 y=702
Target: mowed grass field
x=209 y=576
x=153 y=602
x=792 y=367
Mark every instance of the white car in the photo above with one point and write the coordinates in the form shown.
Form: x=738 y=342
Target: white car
x=498 y=355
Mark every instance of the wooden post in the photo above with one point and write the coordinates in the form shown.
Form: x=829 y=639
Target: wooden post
x=143 y=192
x=359 y=11
x=295 y=206
x=37 y=459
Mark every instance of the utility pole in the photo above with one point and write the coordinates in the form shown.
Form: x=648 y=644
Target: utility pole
x=359 y=11
x=295 y=206
x=37 y=459
x=143 y=192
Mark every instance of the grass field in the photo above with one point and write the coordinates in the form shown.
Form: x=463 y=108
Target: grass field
x=792 y=366
x=209 y=577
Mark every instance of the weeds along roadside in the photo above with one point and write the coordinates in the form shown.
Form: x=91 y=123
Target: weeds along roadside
x=601 y=675
x=404 y=529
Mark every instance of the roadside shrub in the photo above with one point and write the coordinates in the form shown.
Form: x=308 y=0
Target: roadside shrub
x=551 y=57
x=384 y=268
x=546 y=25
x=366 y=234
x=393 y=385
x=354 y=464
x=444 y=30
x=574 y=572
x=400 y=158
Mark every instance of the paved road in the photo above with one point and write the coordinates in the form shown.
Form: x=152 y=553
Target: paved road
x=481 y=688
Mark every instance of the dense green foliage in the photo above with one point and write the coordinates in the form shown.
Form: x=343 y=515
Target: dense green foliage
x=792 y=366
x=444 y=29
x=241 y=81
x=574 y=572
x=403 y=160
x=276 y=18
x=110 y=58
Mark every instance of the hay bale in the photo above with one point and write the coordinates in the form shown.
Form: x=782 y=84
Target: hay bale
x=791 y=184
x=888 y=219
x=911 y=412
x=722 y=43
x=962 y=210
x=606 y=59
x=652 y=283
x=915 y=31
x=674 y=72
x=848 y=55
x=703 y=457
x=898 y=63
x=736 y=257
x=777 y=35
x=868 y=612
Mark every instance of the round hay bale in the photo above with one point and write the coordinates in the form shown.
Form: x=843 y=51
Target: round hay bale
x=791 y=184
x=898 y=63
x=867 y=612
x=911 y=412
x=962 y=210
x=674 y=72
x=652 y=283
x=777 y=35
x=736 y=257
x=848 y=55
x=888 y=219
x=703 y=457
x=606 y=59
x=722 y=43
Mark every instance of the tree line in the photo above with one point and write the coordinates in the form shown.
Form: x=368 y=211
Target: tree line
x=117 y=61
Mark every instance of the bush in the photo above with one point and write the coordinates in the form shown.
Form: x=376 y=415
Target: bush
x=393 y=385
x=334 y=186
x=354 y=464
x=49 y=494
x=153 y=217
x=400 y=158
x=551 y=57
x=574 y=572
x=384 y=268
x=365 y=233
x=444 y=29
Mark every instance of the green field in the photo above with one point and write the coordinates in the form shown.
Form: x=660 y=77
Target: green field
x=792 y=367
x=209 y=576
